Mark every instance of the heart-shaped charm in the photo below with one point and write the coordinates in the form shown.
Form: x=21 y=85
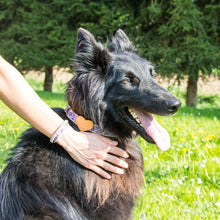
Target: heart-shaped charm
x=83 y=124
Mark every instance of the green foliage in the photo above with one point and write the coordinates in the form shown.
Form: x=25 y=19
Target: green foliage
x=184 y=42
x=39 y=34
x=35 y=34
x=180 y=36
x=175 y=36
x=106 y=19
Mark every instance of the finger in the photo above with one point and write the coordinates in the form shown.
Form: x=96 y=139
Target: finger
x=116 y=161
x=118 y=151
x=100 y=171
x=108 y=141
x=109 y=167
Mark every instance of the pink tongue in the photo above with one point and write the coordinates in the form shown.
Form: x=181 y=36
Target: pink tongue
x=154 y=130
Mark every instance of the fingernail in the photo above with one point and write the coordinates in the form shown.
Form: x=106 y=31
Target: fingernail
x=108 y=177
x=126 y=155
x=121 y=171
x=114 y=143
x=125 y=165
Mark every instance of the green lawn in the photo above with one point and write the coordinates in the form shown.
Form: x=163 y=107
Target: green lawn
x=181 y=183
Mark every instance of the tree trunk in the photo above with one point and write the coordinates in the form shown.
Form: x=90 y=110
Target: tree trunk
x=191 y=97
x=48 y=82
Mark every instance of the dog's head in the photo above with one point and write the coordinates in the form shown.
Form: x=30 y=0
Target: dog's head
x=116 y=89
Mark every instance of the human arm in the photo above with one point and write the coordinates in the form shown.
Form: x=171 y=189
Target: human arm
x=90 y=150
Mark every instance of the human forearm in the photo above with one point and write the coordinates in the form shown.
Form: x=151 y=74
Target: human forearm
x=22 y=99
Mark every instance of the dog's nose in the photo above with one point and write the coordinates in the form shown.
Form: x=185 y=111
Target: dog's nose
x=173 y=105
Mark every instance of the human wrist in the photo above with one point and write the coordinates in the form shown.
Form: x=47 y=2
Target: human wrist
x=59 y=131
x=66 y=138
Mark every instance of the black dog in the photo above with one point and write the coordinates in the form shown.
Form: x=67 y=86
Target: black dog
x=109 y=88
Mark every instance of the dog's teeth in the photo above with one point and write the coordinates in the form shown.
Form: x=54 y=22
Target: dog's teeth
x=135 y=117
x=133 y=114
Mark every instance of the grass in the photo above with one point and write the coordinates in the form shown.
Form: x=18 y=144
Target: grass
x=181 y=183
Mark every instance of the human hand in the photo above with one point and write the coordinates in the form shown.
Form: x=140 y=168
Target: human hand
x=94 y=152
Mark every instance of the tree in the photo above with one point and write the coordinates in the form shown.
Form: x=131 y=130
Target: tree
x=180 y=36
x=38 y=35
x=185 y=44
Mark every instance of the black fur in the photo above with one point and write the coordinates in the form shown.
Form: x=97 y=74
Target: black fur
x=41 y=181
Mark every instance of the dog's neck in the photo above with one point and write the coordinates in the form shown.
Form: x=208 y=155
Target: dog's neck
x=94 y=128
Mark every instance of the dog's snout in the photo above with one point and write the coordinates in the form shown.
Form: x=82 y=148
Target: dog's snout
x=173 y=105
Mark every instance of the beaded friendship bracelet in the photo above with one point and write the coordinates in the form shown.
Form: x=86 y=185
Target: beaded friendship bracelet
x=59 y=131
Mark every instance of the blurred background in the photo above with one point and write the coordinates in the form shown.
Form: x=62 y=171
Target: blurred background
x=181 y=37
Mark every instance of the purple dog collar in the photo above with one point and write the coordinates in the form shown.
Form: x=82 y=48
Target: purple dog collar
x=72 y=116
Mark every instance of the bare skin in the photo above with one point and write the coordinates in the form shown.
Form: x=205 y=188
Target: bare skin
x=91 y=150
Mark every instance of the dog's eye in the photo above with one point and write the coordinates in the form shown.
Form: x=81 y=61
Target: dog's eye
x=131 y=78
x=127 y=80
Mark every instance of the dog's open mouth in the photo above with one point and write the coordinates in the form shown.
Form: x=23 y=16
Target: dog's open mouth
x=146 y=126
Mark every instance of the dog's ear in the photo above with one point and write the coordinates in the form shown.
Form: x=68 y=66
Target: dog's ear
x=85 y=40
x=120 y=42
x=90 y=55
